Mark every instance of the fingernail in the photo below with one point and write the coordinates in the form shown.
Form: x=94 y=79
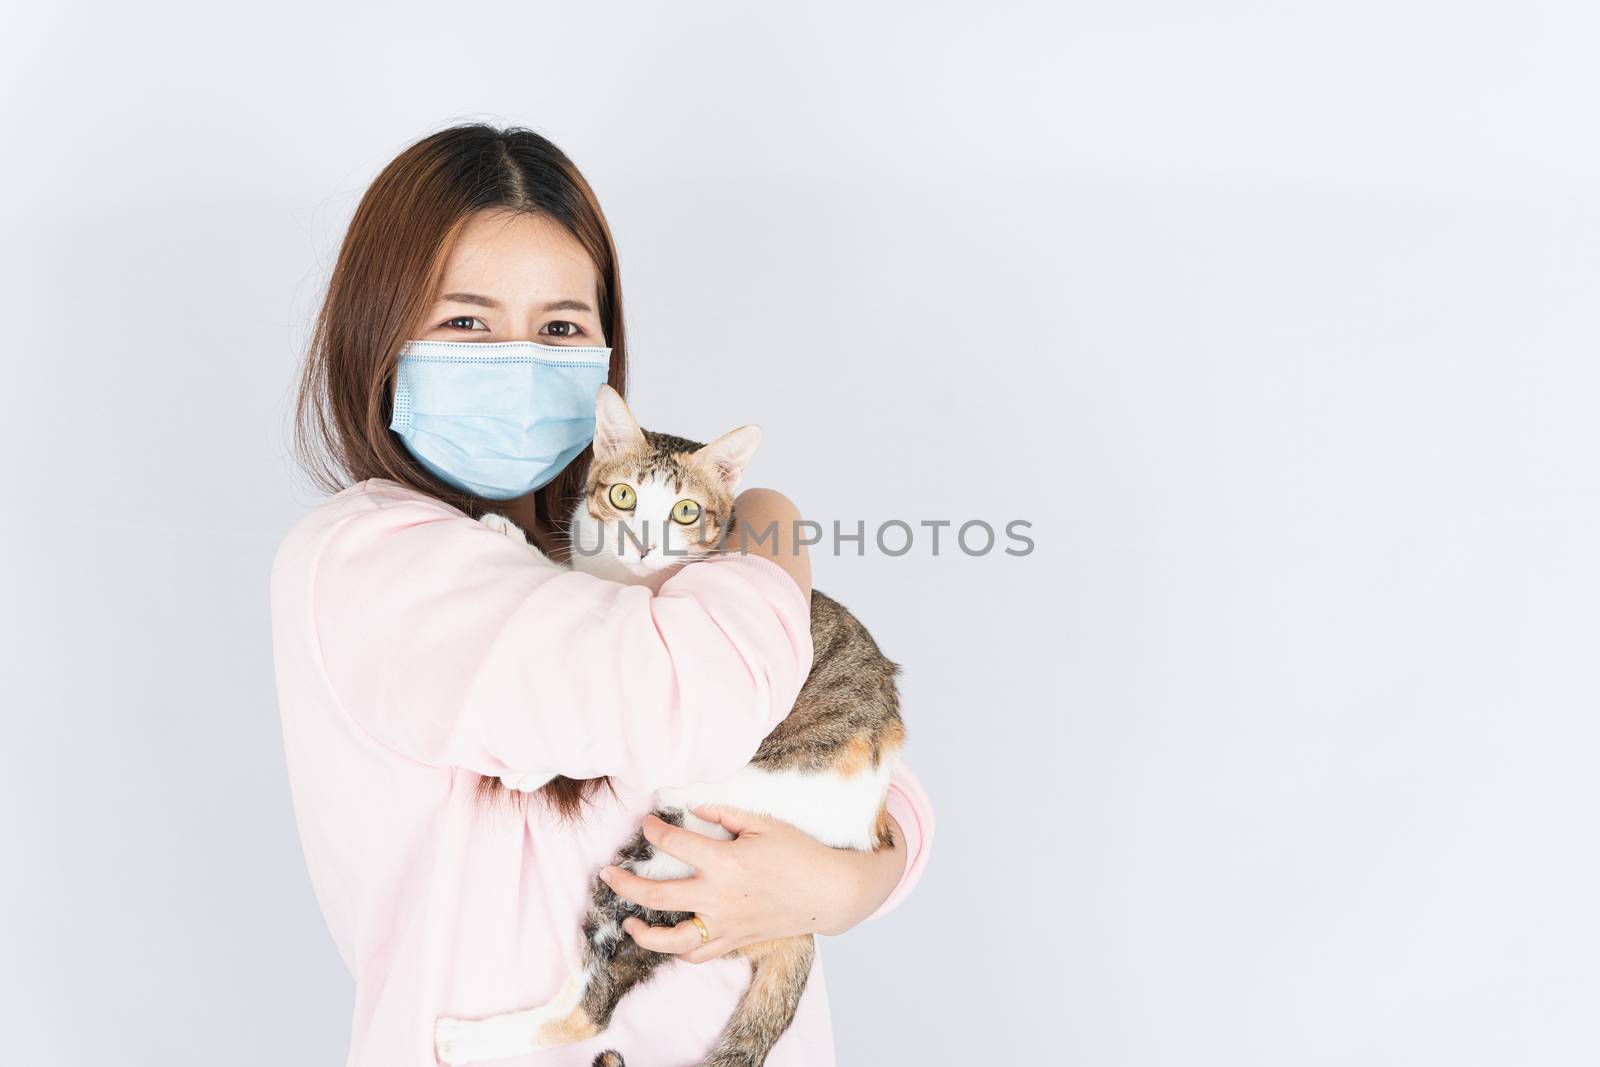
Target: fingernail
x=606 y=874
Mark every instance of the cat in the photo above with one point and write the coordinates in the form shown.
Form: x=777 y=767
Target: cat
x=654 y=502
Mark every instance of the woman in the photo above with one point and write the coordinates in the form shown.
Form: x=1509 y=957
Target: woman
x=420 y=655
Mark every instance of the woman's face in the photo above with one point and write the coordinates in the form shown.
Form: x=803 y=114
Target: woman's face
x=515 y=277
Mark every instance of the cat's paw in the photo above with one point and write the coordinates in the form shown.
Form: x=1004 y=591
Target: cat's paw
x=450 y=1041
x=506 y=528
x=526 y=783
x=457 y=1041
x=502 y=525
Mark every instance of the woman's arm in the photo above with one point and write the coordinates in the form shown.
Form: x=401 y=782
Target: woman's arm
x=456 y=646
x=773 y=880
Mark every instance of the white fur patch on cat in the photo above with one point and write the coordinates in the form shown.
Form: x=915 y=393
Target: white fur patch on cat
x=648 y=544
x=838 y=810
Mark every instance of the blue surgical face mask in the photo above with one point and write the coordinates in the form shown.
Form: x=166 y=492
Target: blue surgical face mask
x=496 y=419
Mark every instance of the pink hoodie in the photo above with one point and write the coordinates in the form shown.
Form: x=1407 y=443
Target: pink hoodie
x=417 y=650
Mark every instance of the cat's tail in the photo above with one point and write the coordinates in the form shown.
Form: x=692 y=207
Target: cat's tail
x=609 y=1058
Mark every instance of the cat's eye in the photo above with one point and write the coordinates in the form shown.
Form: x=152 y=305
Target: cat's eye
x=623 y=496
x=685 y=512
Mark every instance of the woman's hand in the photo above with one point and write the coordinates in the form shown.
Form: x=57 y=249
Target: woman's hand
x=772 y=880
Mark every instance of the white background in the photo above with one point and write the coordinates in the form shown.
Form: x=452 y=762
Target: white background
x=1279 y=322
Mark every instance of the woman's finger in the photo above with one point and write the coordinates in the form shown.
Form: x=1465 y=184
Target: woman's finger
x=697 y=850
x=671 y=895
x=674 y=940
x=717 y=946
x=735 y=820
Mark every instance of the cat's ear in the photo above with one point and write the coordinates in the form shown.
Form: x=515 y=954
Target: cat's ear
x=614 y=427
x=729 y=454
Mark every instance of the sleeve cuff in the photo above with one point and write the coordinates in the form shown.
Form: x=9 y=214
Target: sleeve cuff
x=908 y=804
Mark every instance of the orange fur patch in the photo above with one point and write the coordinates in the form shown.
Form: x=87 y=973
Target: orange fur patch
x=575 y=1027
x=782 y=951
x=855 y=758
x=776 y=966
x=894 y=735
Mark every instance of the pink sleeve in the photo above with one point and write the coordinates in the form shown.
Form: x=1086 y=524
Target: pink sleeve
x=909 y=805
x=456 y=646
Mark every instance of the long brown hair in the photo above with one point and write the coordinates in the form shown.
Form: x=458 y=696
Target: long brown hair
x=392 y=260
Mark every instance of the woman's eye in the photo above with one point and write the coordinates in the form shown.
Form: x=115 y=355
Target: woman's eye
x=469 y=319
x=622 y=496
x=563 y=329
x=685 y=512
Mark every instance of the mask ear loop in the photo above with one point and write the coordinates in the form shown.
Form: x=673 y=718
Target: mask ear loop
x=401 y=421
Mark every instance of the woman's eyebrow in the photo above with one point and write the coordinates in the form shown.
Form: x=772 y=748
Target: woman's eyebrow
x=489 y=302
x=469 y=298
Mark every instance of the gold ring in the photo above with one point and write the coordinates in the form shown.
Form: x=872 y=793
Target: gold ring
x=705 y=935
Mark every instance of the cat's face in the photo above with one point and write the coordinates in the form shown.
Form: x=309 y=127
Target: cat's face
x=653 y=502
